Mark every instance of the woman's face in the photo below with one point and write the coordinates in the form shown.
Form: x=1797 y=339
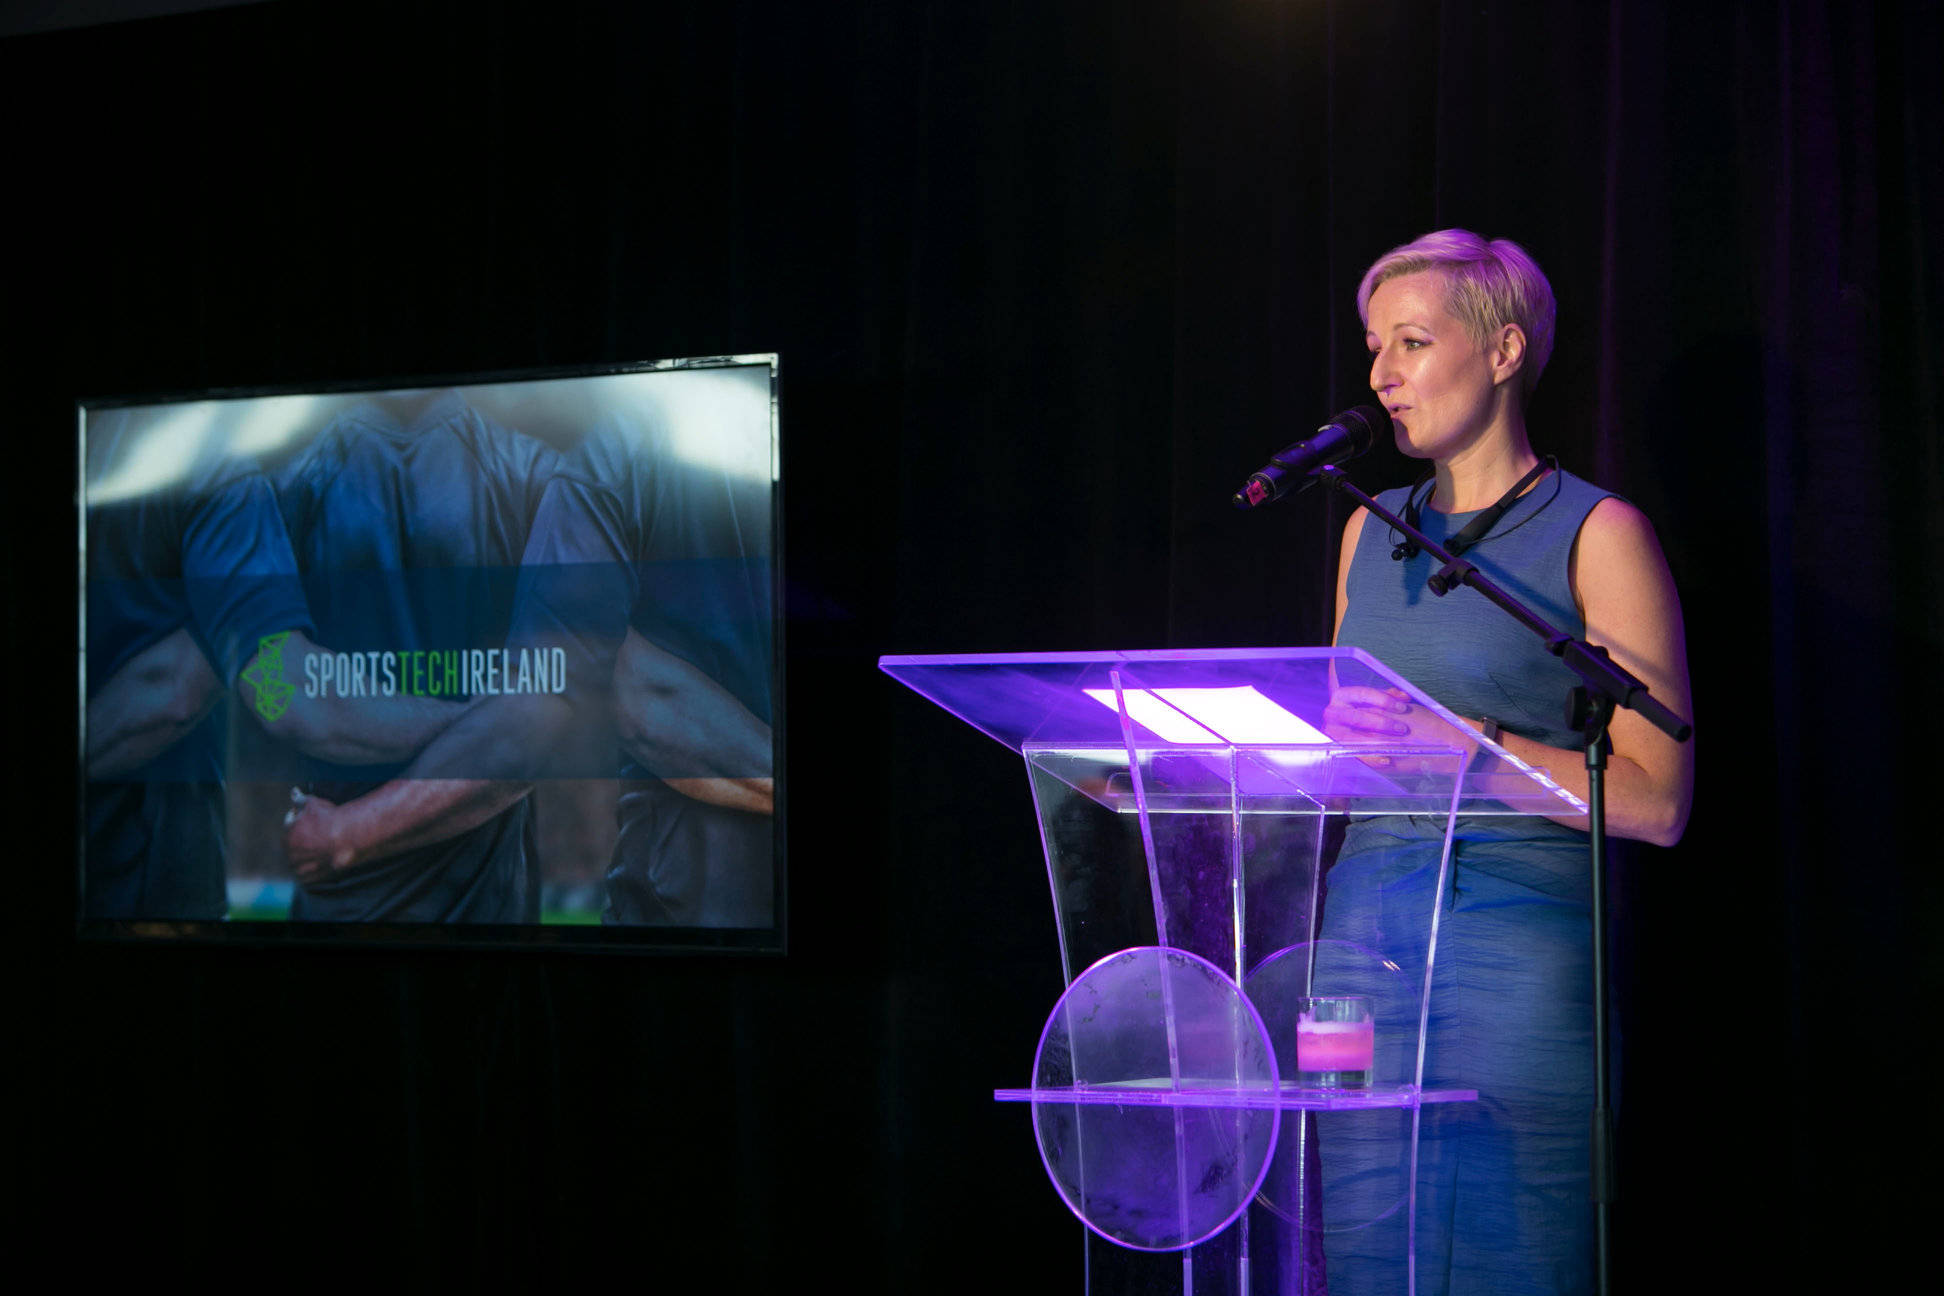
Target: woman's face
x=1436 y=383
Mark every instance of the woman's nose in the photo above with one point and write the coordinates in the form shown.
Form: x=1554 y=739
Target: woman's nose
x=1382 y=377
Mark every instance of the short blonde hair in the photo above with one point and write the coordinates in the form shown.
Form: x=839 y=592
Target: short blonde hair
x=1489 y=284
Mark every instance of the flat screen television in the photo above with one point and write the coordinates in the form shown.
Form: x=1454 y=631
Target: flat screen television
x=479 y=661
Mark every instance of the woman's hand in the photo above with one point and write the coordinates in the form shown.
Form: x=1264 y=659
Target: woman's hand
x=1359 y=714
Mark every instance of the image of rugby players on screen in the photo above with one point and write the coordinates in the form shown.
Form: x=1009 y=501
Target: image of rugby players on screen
x=185 y=577
x=192 y=592
x=409 y=515
x=650 y=577
x=683 y=611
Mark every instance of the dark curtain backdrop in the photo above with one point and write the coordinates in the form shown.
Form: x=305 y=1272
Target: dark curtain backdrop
x=1048 y=280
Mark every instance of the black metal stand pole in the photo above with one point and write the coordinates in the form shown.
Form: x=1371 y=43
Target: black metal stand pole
x=1605 y=687
x=1594 y=715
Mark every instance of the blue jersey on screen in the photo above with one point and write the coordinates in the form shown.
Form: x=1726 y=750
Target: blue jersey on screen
x=632 y=536
x=409 y=534
x=203 y=551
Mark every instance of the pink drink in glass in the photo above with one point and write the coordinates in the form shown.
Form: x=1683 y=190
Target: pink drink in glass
x=1335 y=1054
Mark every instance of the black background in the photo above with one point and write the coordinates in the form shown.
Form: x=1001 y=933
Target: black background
x=1048 y=280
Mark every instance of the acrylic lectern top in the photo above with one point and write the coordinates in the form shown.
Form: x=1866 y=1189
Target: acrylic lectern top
x=1252 y=722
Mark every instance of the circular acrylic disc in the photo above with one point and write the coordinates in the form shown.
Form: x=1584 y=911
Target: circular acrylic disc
x=1173 y=1164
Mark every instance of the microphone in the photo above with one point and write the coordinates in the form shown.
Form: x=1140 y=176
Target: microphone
x=1344 y=437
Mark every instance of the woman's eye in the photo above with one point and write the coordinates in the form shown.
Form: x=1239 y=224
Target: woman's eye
x=1412 y=344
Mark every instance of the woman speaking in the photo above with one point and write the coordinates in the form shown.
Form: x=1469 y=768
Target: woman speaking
x=1459 y=330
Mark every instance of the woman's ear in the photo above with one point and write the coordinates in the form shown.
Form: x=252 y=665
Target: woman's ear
x=1508 y=353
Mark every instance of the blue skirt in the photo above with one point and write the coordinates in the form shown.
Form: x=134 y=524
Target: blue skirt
x=1504 y=1203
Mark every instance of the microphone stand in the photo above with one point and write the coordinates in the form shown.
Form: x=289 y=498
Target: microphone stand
x=1604 y=687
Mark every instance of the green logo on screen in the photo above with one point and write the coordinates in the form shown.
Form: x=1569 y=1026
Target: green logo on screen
x=273 y=691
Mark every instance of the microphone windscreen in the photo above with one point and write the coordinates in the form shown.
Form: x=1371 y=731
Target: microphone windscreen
x=1363 y=424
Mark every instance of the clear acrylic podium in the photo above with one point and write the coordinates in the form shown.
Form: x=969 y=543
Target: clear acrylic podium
x=1187 y=802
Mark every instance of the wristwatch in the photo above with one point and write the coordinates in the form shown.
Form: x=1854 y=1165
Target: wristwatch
x=1491 y=729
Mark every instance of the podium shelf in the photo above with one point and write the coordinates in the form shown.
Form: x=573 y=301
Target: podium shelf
x=1289 y=1096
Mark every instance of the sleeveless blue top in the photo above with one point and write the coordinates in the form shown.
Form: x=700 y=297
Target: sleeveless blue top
x=1460 y=649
